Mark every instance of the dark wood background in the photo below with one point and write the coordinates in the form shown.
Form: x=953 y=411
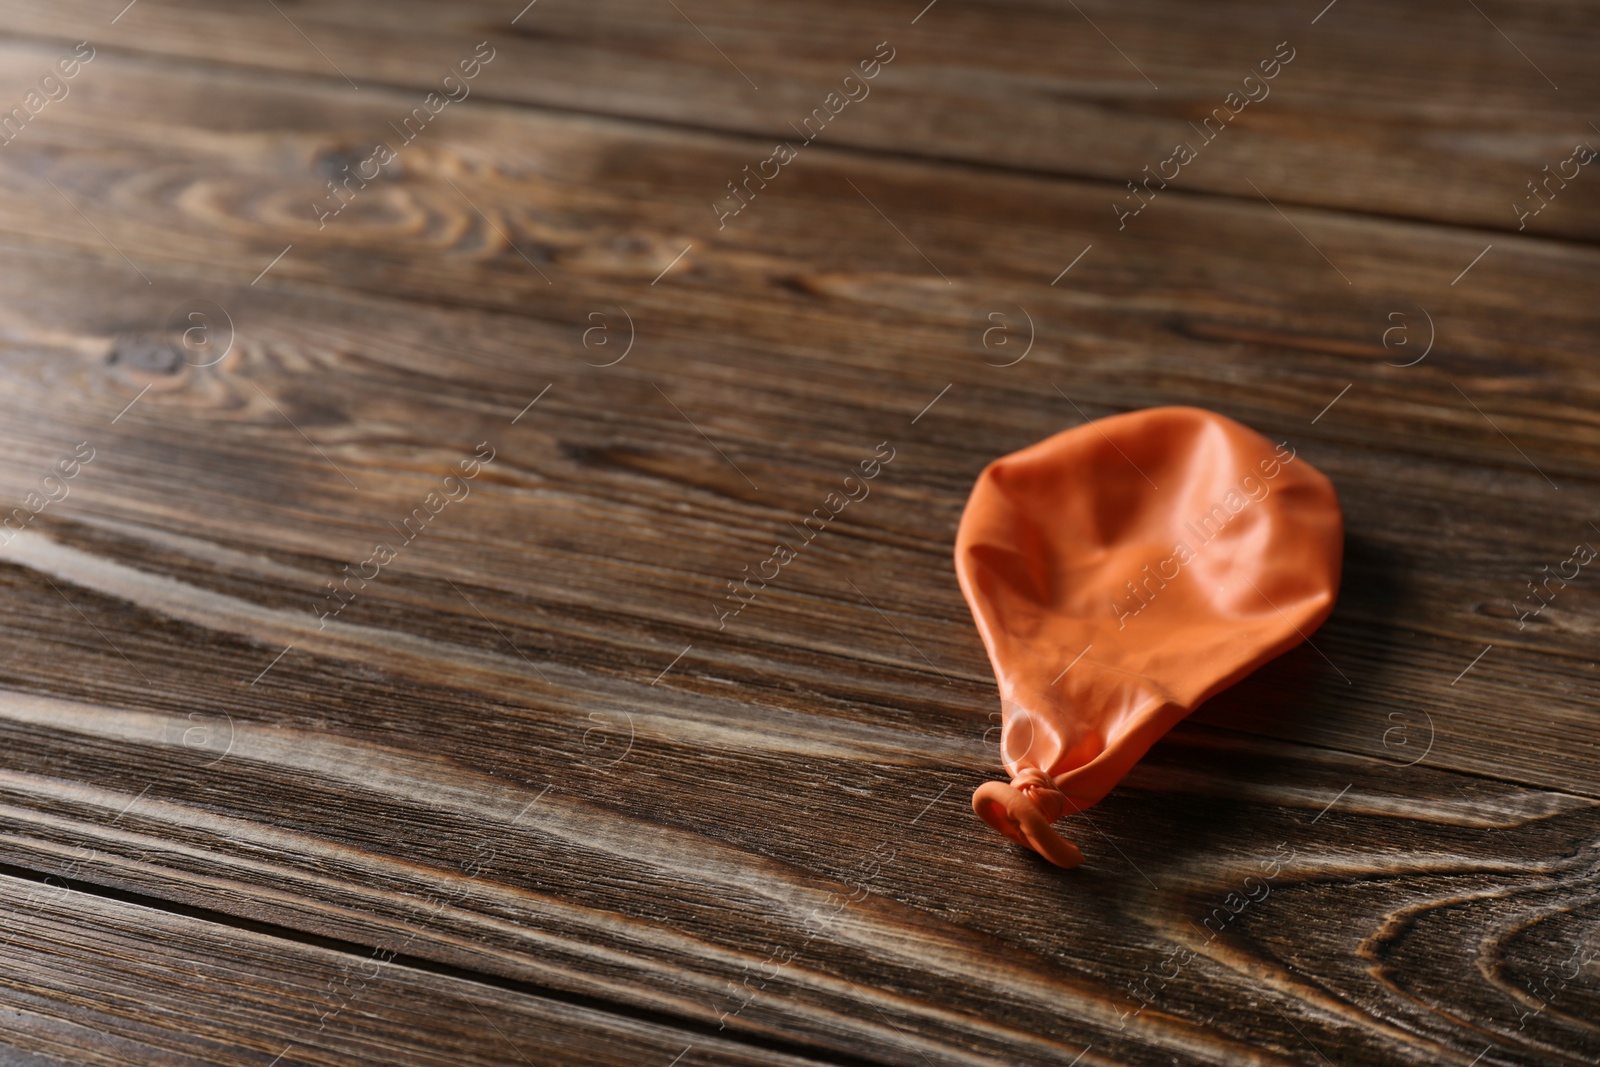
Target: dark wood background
x=524 y=801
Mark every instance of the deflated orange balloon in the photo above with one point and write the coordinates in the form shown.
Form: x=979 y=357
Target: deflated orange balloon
x=1122 y=573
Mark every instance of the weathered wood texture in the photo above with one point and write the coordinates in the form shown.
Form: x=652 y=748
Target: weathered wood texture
x=527 y=758
x=796 y=344
x=1389 y=911
x=1428 y=109
x=109 y=981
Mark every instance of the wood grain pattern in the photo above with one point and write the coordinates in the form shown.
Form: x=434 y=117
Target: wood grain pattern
x=1426 y=109
x=108 y=981
x=604 y=891
x=528 y=753
x=1271 y=340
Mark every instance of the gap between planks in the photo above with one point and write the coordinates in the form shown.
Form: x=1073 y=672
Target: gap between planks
x=358 y=951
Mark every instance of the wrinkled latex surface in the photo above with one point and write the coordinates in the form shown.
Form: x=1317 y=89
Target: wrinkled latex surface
x=1073 y=544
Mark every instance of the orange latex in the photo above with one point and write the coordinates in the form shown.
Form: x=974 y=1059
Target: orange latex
x=1123 y=572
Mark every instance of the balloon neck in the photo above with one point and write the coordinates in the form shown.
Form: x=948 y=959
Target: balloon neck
x=1024 y=810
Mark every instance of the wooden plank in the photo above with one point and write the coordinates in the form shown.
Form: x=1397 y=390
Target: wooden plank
x=1360 y=119
x=92 y=980
x=714 y=845
x=799 y=346
x=1395 y=912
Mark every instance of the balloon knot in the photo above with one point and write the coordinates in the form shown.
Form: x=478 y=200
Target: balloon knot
x=1040 y=788
x=1024 y=810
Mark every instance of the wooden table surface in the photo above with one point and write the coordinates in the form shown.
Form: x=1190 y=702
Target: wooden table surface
x=372 y=691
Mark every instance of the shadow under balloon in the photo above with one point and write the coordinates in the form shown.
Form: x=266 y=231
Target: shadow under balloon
x=1330 y=689
x=1199 y=791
